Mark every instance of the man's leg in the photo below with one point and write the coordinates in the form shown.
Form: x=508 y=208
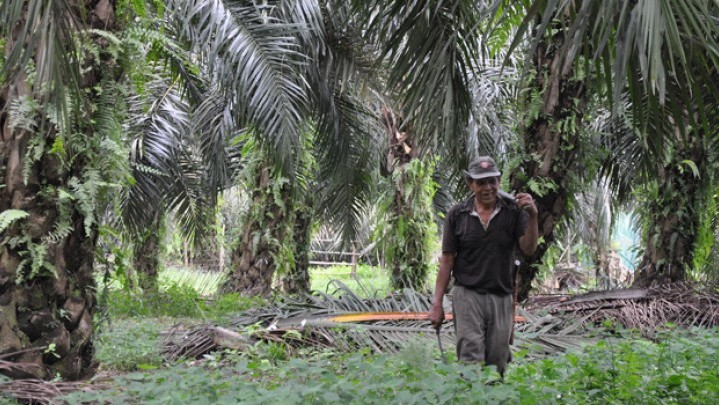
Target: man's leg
x=500 y=316
x=469 y=324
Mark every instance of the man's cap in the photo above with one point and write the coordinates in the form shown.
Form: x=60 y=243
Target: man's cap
x=481 y=168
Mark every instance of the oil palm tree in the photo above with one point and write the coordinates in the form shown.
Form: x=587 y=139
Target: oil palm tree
x=675 y=196
x=428 y=50
x=175 y=168
x=653 y=50
x=285 y=70
x=61 y=145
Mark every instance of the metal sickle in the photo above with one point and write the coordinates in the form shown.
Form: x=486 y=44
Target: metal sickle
x=439 y=342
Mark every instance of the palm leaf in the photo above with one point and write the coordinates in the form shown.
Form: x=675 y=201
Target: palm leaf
x=166 y=166
x=255 y=57
x=657 y=50
x=46 y=33
x=429 y=48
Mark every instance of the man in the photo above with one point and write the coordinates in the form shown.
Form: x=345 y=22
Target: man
x=480 y=239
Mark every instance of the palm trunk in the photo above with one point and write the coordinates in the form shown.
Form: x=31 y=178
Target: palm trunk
x=146 y=258
x=47 y=289
x=297 y=279
x=552 y=133
x=409 y=218
x=411 y=224
x=266 y=228
x=673 y=208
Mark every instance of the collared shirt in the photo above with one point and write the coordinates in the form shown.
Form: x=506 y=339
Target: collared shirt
x=484 y=255
x=474 y=213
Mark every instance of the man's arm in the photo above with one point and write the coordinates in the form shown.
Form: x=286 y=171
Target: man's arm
x=528 y=241
x=446 y=264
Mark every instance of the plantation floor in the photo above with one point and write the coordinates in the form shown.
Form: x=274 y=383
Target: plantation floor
x=678 y=367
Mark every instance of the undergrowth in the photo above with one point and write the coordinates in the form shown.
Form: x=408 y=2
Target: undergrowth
x=678 y=368
x=130 y=345
x=174 y=300
x=369 y=281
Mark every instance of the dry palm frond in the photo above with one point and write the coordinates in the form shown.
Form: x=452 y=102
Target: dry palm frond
x=193 y=344
x=18 y=369
x=645 y=309
x=348 y=323
x=34 y=391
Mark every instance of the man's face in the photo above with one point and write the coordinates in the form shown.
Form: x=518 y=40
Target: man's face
x=485 y=189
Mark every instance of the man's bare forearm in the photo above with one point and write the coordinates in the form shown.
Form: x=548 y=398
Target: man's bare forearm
x=446 y=262
x=528 y=241
x=436 y=313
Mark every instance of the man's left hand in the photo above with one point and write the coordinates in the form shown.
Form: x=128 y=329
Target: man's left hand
x=526 y=202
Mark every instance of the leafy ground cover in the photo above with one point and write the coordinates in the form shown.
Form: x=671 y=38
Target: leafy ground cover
x=676 y=367
x=679 y=367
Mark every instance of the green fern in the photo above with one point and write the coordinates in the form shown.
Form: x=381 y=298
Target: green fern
x=34 y=257
x=9 y=216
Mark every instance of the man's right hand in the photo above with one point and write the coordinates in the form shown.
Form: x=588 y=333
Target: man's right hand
x=436 y=315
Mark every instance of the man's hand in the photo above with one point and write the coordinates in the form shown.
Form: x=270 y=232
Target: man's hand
x=526 y=202
x=528 y=241
x=436 y=315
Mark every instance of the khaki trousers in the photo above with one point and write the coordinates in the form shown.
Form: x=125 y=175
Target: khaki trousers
x=483 y=325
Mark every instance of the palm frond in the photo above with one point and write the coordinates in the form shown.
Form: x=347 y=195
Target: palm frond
x=644 y=309
x=44 y=32
x=429 y=48
x=166 y=168
x=160 y=43
x=340 y=322
x=348 y=158
x=494 y=88
x=30 y=390
x=220 y=139
x=657 y=51
x=256 y=59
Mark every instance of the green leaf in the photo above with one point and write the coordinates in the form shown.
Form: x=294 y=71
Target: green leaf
x=692 y=166
x=147 y=367
x=58 y=147
x=9 y=216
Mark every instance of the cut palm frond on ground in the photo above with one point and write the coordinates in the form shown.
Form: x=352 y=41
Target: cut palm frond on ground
x=34 y=391
x=349 y=323
x=644 y=309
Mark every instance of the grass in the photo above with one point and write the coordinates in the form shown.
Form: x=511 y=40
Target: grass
x=368 y=282
x=204 y=282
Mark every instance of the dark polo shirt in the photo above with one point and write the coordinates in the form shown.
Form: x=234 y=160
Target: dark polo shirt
x=484 y=257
